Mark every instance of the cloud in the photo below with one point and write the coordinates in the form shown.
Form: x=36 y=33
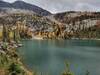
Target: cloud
x=55 y=6
x=9 y=0
x=86 y=7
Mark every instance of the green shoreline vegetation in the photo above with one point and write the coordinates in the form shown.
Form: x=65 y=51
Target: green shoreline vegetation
x=12 y=31
x=10 y=63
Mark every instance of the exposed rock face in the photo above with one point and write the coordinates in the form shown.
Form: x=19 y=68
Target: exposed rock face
x=78 y=24
x=27 y=23
x=78 y=20
x=58 y=26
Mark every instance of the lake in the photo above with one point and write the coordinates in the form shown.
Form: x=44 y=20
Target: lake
x=49 y=56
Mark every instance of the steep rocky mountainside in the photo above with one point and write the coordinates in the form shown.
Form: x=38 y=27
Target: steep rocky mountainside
x=27 y=24
x=78 y=24
x=68 y=17
x=62 y=25
x=76 y=20
x=25 y=6
x=36 y=22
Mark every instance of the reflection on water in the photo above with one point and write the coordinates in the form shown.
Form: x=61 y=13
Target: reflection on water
x=49 y=55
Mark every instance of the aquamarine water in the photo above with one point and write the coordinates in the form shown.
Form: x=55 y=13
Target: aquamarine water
x=49 y=56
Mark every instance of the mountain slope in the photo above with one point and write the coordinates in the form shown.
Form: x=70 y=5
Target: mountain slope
x=4 y=4
x=74 y=24
x=25 y=6
x=77 y=26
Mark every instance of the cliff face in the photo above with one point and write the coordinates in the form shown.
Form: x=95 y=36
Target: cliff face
x=78 y=20
x=59 y=26
x=26 y=24
x=78 y=24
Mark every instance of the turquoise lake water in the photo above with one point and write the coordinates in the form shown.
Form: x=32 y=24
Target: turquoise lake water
x=49 y=56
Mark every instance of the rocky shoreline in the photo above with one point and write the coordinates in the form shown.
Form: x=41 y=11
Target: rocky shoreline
x=11 y=64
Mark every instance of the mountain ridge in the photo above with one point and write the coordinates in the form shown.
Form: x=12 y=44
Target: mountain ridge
x=26 y=6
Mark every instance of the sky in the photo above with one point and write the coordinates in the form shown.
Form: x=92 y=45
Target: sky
x=55 y=6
